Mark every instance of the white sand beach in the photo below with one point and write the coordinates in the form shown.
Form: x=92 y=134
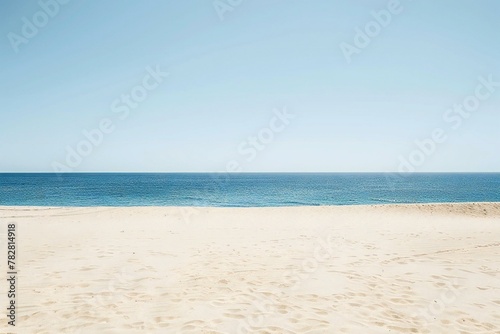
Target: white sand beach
x=431 y=268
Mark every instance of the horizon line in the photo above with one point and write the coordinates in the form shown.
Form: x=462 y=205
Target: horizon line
x=248 y=172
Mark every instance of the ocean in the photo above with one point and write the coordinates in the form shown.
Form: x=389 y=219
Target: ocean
x=244 y=189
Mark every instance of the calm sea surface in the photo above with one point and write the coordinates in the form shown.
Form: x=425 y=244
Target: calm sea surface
x=245 y=189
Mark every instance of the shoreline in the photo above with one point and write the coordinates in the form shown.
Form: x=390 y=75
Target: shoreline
x=250 y=207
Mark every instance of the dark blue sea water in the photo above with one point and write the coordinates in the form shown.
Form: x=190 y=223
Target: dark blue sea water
x=245 y=189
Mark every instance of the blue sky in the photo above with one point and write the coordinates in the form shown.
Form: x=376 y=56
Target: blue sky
x=227 y=77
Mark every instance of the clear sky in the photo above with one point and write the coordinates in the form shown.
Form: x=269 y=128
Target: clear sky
x=232 y=65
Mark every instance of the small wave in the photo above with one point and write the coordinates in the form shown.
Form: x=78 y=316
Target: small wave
x=296 y=203
x=385 y=200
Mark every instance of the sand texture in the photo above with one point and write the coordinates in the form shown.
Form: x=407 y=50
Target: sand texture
x=431 y=268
